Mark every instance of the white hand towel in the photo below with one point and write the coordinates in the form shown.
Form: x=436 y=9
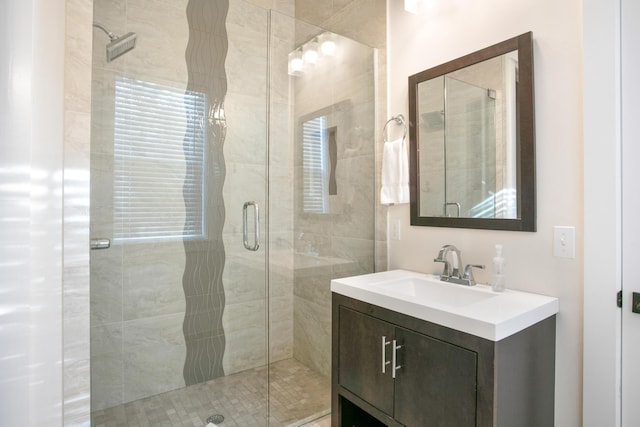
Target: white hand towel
x=395 y=173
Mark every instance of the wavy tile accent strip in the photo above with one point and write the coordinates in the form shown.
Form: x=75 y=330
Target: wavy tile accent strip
x=205 y=257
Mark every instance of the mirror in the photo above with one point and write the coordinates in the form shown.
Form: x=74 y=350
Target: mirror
x=472 y=142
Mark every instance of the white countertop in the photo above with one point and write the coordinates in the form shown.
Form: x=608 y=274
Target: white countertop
x=476 y=310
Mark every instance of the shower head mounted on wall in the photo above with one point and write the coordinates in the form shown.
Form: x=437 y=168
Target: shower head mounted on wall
x=119 y=45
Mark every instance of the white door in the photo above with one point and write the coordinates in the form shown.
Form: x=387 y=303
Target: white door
x=630 y=58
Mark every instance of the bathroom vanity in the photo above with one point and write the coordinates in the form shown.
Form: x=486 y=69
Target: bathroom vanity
x=409 y=350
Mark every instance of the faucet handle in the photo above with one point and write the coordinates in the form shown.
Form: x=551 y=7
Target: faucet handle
x=447 y=267
x=468 y=273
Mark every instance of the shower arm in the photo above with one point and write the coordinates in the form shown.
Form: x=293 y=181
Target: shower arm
x=106 y=31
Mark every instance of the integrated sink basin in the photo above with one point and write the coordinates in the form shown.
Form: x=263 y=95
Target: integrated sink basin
x=431 y=289
x=476 y=310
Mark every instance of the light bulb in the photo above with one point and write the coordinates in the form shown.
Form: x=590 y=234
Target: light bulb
x=327 y=44
x=328 y=47
x=310 y=54
x=296 y=64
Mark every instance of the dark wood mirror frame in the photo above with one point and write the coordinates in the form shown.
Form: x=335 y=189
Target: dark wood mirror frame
x=525 y=152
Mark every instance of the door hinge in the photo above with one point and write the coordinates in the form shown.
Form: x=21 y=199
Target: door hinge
x=619 y=299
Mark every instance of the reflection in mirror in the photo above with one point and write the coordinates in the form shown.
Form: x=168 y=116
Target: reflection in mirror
x=470 y=145
x=469 y=171
x=472 y=162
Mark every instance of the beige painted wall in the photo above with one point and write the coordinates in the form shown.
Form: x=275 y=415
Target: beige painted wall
x=420 y=42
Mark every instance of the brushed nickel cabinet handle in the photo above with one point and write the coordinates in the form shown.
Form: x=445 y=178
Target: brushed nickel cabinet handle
x=394 y=365
x=384 y=354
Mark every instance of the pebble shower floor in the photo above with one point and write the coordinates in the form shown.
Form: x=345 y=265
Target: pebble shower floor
x=298 y=395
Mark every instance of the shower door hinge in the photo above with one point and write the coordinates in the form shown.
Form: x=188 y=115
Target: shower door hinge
x=619 y=299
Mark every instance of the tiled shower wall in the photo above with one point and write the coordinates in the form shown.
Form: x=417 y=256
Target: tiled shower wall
x=137 y=301
x=363 y=21
x=78 y=77
x=338 y=243
x=257 y=108
x=344 y=239
x=282 y=38
x=77 y=118
x=488 y=74
x=491 y=75
x=137 y=298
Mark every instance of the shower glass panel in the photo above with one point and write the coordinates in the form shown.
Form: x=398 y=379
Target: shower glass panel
x=178 y=147
x=196 y=122
x=470 y=151
x=321 y=193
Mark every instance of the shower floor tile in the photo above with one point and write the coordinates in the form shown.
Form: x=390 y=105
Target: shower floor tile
x=298 y=394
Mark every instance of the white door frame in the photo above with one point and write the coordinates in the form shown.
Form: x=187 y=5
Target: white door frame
x=602 y=213
x=630 y=111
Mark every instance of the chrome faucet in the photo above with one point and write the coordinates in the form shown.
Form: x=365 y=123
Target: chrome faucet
x=467 y=276
x=451 y=272
x=456 y=259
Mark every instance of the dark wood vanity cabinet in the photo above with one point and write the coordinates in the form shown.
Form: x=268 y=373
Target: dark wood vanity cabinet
x=361 y=361
x=435 y=381
x=443 y=378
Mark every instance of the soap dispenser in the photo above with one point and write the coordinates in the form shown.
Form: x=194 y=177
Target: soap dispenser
x=498 y=279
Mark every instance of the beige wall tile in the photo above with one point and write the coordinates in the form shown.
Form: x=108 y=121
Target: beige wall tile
x=76 y=211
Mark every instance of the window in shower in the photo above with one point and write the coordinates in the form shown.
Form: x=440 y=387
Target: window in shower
x=159 y=161
x=319 y=132
x=314 y=161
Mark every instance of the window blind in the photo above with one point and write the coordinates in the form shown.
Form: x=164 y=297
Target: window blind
x=159 y=161
x=502 y=204
x=314 y=165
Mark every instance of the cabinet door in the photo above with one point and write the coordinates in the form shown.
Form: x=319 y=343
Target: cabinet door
x=360 y=358
x=436 y=384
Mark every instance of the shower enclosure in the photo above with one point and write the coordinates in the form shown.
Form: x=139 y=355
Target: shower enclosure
x=470 y=151
x=462 y=123
x=210 y=276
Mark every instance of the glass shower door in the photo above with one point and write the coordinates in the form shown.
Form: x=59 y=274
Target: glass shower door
x=470 y=150
x=321 y=203
x=178 y=302
x=213 y=298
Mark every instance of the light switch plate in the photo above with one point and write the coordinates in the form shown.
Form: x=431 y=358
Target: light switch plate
x=564 y=241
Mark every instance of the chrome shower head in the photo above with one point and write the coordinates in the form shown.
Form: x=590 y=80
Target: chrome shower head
x=118 y=45
x=121 y=45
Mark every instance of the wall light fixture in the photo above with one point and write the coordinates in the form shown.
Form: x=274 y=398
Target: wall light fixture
x=311 y=52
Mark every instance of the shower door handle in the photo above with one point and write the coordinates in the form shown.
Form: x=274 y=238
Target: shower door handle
x=256 y=226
